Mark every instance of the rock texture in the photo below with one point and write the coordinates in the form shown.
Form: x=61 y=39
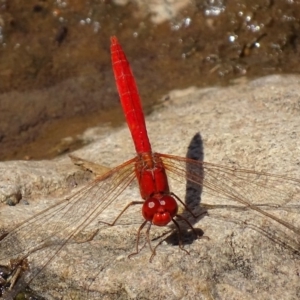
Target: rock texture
x=253 y=125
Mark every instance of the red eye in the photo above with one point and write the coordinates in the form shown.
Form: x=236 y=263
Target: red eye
x=150 y=207
x=160 y=211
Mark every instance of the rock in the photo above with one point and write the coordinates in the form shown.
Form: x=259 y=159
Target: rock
x=254 y=125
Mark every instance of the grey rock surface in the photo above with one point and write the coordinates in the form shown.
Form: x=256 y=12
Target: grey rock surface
x=252 y=125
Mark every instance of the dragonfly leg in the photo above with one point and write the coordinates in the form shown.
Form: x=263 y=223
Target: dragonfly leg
x=191 y=226
x=180 y=237
x=154 y=251
x=149 y=243
x=187 y=208
x=138 y=239
x=122 y=212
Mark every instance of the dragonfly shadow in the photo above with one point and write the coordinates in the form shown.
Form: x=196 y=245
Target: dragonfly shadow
x=192 y=195
x=194 y=190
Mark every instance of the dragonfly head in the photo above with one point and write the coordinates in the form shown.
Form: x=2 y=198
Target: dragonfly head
x=160 y=210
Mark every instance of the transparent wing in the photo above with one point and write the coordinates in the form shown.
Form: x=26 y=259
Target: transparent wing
x=52 y=228
x=242 y=189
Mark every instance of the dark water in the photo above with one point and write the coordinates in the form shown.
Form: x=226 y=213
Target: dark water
x=55 y=70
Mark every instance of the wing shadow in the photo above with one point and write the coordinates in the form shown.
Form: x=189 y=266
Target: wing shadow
x=192 y=199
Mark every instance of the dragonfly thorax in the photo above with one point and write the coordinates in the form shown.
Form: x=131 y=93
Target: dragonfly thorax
x=151 y=175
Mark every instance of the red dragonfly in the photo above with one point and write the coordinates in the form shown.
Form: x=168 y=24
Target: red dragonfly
x=51 y=229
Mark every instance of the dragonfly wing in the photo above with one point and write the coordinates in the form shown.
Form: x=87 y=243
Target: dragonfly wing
x=51 y=229
x=241 y=189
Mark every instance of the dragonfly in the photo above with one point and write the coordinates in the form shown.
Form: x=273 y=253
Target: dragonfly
x=41 y=237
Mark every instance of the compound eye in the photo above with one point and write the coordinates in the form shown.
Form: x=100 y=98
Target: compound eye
x=150 y=208
x=160 y=211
